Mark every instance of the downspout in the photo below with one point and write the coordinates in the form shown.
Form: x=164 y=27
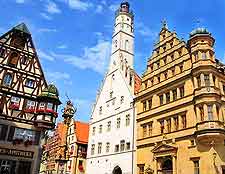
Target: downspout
x=133 y=146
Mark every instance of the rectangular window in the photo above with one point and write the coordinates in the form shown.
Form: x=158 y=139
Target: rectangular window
x=122 y=145
x=167 y=97
x=169 y=125
x=2 y=51
x=144 y=106
x=204 y=56
x=162 y=126
x=107 y=147
x=30 y=104
x=128 y=120
x=128 y=146
x=118 y=123
x=99 y=148
x=184 y=121
x=42 y=105
x=150 y=129
x=50 y=106
x=144 y=127
x=176 y=123
x=3 y=131
x=122 y=100
x=206 y=78
x=93 y=130
x=141 y=168
x=149 y=103
x=199 y=81
x=210 y=112
x=92 y=149
x=109 y=126
x=15 y=100
x=29 y=83
x=100 y=129
x=158 y=64
x=100 y=110
x=174 y=94
x=117 y=148
x=161 y=99
x=196 y=167
x=182 y=92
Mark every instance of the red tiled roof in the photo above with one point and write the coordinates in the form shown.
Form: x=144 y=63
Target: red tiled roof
x=137 y=83
x=82 y=131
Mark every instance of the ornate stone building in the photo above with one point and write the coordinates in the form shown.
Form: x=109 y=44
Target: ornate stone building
x=28 y=106
x=180 y=107
x=112 y=126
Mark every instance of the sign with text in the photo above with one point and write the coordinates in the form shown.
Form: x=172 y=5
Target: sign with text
x=18 y=153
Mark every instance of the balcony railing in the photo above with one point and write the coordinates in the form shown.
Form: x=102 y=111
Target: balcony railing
x=209 y=125
x=165 y=172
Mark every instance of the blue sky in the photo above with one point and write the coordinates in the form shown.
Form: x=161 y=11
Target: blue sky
x=73 y=37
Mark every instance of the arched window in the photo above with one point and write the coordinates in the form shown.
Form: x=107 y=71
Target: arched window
x=7 y=80
x=126 y=45
x=13 y=59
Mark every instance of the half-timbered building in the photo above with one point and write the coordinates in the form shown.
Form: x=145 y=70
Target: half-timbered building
x=28 y=105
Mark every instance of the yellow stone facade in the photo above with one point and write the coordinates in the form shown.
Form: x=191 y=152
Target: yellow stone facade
x=180 y=107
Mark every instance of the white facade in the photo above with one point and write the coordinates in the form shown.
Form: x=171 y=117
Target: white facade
x=111 y=137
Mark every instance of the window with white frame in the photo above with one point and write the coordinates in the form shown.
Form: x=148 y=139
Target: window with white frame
x=109 y=126
x=107 y=147
x=29 y=83
x=99 y=148
x=30 y=104
x=92 y=149
x=118 y=123
x=127 y=119
x=122 y=145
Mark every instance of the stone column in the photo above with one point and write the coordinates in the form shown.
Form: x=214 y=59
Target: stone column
x=180 y=124
x=205 y=108
x=202 y=80
x=199 y=55
x=174 y=164
x=208 y=55
x=198 y=114
x=195 y=82
x=155 y=165
x=211 y=79
x=164 y=98
x=171 y=96
x=220 y=116
x=217 y=82
x=178 y=93
x=147 y=106
x=221 y=88
x=214 y=109
x=172 y=125
x=165 y=127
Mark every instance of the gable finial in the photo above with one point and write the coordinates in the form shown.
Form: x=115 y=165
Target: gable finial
x=164 y=23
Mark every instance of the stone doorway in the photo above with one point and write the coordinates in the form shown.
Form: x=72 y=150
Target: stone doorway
x=117 y=170
x=166 y=165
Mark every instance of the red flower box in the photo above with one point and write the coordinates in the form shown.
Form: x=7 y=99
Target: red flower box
x=14 y=106
x=29 y=110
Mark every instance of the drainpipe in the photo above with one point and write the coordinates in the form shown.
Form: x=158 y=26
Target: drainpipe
x=76 y=160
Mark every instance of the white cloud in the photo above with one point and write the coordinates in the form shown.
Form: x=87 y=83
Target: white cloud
x=78 y=5
x=63 y=46
x=56 y=76
x=44 y=15
x=145 y=31
x=44 y=30
x=114 y=7
x=20 y=1
x=52 y=8
x=99 y=9
x=94 y=58
x=44 y=55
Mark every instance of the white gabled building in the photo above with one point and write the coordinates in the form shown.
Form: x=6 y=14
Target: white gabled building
x=111 y=146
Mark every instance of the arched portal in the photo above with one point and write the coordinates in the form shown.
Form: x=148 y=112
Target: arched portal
x=117 y=170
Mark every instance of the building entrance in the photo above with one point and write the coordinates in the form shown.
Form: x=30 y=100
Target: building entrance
x=166 y=165
x=15 y=167
x=117 y=170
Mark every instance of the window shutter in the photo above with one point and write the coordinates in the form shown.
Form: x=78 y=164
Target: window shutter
x=37 y=138
x=3 y=133
x=11 y=133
